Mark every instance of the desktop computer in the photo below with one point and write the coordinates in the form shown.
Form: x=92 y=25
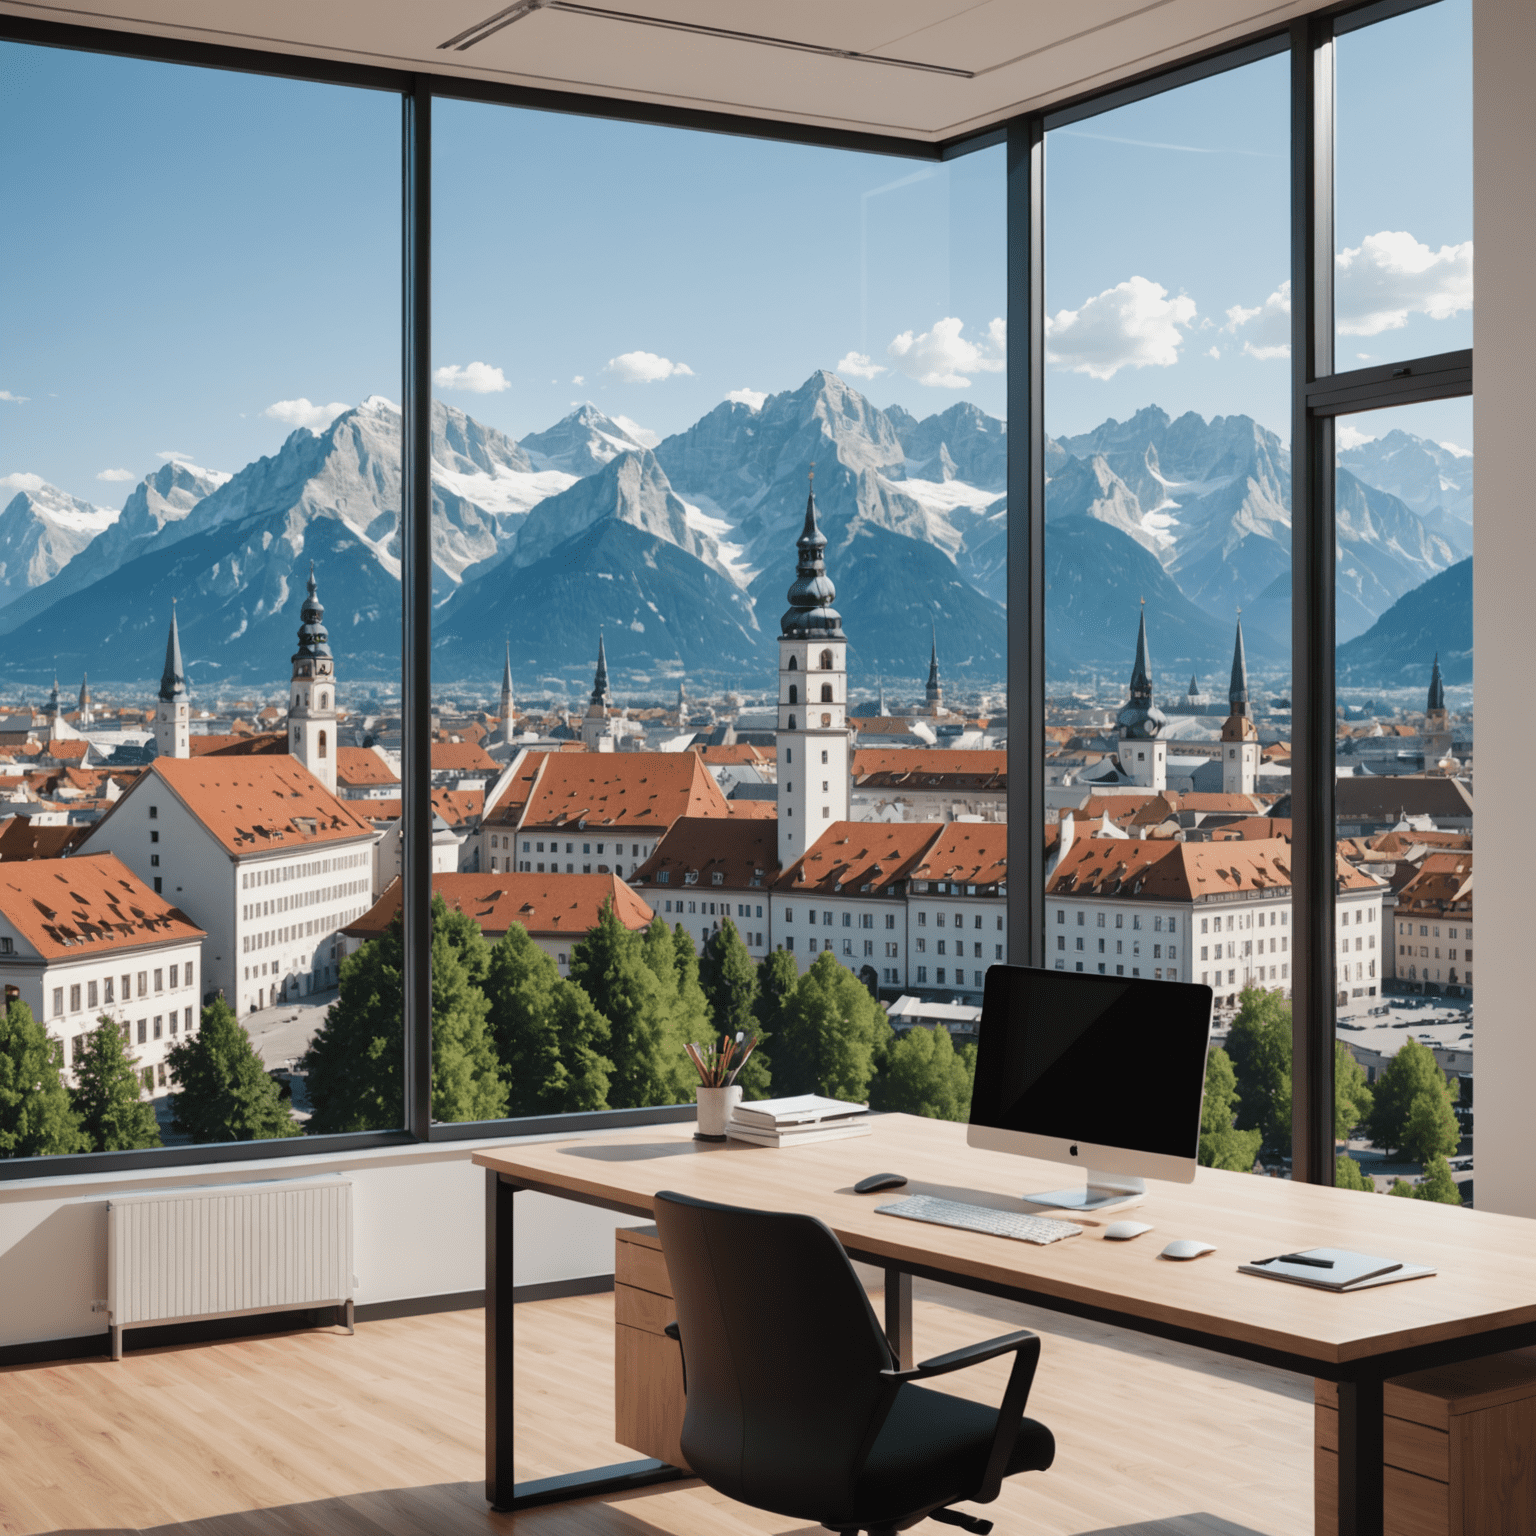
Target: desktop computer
x=1106 y=1073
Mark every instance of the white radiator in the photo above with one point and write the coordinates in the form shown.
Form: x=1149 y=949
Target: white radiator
x=174 y=1255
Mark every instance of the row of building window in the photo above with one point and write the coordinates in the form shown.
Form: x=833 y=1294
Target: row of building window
x=922 y=945
x=105 y=995
x=1423 y=950
x=278 y=904
x=178 y=1021
x=554 y=847
x=707 y=908
x=1157 y=949
x=278 y=873
x=1407 y=928
x=526 y=867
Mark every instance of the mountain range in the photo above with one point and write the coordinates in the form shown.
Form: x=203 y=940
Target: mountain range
x=681 y=549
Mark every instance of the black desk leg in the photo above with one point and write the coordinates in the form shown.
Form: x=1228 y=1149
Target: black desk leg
x=501 y=1490
x=1361 y=1453
x=898 y=1316
x=499 y=1485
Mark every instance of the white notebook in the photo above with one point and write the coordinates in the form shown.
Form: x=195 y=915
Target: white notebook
x=1335 y=1269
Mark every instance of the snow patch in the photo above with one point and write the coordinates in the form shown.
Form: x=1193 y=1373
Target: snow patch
x=719 y=529
x=507 y=491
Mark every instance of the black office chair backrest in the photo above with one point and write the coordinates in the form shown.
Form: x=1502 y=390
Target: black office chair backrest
x=781 y=1349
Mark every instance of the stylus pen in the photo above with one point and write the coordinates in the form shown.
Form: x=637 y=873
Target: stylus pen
x=1296 y=1258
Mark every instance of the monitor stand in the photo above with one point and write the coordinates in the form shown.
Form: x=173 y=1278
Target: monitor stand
x=1102 y=1192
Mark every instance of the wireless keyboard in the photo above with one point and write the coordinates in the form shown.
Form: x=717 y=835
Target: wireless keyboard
x=981 y=1218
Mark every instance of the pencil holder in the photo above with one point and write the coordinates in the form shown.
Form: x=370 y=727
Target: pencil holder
x=715 y=1106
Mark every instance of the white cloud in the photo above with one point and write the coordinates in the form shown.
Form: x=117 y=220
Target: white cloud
x=1346 y=436
x=578 y=379
x=11 y=399
x=858 y=365
x=751 y=397
x=115 y=474
x=176 y=456
x=1458 y=451
x=645 y=368
x=299 y=413
x=1271 y=321
x=473 y=378
x=1132 y=325
x=1390 y=275
x=942 y=358
x=1213 y=352
x=642 y=435
x=22 y=482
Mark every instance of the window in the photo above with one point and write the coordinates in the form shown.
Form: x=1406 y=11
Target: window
x=74 y=998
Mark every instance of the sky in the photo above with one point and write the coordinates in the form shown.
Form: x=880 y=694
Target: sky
x=195 y=263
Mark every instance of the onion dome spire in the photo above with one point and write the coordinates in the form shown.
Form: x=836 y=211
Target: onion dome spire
x=313 y=640
x=810 y=610
x=1140 y=717
x=173 y=680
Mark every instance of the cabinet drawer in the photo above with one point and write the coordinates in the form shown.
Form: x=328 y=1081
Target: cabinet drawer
x=1414 y=1506
x=648 y=1394
x=645 y=1310
x=640 y=1265
x=1414 y=1447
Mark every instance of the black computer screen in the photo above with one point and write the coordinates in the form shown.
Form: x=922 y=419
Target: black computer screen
x=1106 y=1059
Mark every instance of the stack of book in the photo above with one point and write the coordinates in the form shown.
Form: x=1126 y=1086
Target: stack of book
x=797 y=1121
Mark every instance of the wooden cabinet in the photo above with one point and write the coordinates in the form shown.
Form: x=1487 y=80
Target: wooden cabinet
x=647 y=1365
x=1460 y=1450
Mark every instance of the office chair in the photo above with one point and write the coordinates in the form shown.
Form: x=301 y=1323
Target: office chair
x=796 y=1403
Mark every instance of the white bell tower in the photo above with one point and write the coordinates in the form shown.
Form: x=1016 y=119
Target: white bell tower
x=812 y=732
x=1239 y=736
x=312 y=693
x=173 y=728
x=1143 y=752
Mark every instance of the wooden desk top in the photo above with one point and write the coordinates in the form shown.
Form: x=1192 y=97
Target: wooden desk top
x=1486 y=1263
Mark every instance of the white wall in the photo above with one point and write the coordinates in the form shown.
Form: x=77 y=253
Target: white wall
x=1504 y=577
x=419 y=1230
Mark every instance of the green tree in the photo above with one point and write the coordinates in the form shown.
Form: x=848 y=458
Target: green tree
x=1348 y=1174
x=610 y=966
x=1222 y=1145
x=356 y=1059
x=113 y=1117
x=1352 y=1099
x=1411 y=1073
x=730 y=982
x=923 y=1074
x=1438 y=1183
x=1259 y=1045
x=692 y=1018
x=777 y=978
x=1431 y=1130
x=548 y=1036
x=226 y=1094
x=832 y=1034
x=36 y=1119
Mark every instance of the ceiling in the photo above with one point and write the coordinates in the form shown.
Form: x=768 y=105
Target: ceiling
x=927 y=70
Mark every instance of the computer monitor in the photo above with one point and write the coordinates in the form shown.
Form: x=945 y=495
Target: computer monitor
x=1104 y=1072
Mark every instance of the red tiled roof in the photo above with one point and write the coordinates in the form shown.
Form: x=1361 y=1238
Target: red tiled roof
x=1443 y=885
x=253 y=804
x=972 y=852
x=753 y=810
x=91 y=904
x=852 y=855
x=635 y=791
x=266 y=744
x=359 y=766
x=548 y=906
x=928 y=760
x=462 y=757
x=743 y=852
x=737 y=752
x=19 y=839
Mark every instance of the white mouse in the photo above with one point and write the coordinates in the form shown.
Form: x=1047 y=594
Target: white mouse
x=1186 y=1248
x=1122 y=1231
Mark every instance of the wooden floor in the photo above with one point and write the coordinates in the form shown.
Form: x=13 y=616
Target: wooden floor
x=317 y=1434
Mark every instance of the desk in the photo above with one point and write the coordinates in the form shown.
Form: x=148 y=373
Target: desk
x=1482 y=1301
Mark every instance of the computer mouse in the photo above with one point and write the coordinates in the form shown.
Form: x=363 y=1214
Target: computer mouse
x=1123 y=1231
x=1186 y=1248
x=878 y=1181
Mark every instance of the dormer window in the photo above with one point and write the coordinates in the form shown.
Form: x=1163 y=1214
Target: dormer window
x=718 y=878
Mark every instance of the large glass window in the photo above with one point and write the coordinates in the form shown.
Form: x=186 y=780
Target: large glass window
x=1405 y=963
x=200 y=599
x=1403 y=186
x=1167 y=542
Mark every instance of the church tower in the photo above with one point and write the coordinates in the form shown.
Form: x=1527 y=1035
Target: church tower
x=1143 y=752
x=172 y=728
x=935 y=689
x=312 y=694
x=83 y=708
x=1437 y=723
x=597 y=726
x=508 y=724
x=812 y=730
x=1239 y=736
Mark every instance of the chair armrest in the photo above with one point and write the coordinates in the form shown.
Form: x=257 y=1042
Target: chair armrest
x=671 y=1331
x=968 y=1355
x=1025 y=1347
x=674 y=1333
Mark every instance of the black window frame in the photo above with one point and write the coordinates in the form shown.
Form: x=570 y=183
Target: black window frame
x=1319 y=394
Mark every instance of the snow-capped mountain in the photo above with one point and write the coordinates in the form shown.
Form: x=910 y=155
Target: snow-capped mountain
x=1432 y=479
x=42 y=529
x=581 y=443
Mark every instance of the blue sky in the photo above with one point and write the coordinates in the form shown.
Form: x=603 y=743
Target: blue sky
x=195 y=262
